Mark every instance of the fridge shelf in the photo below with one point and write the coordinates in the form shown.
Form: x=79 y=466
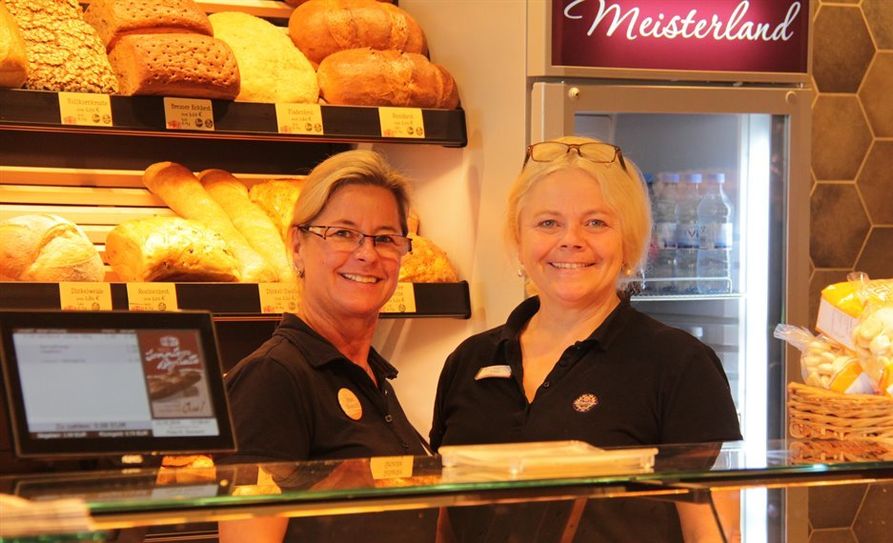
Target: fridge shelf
x=238 y=301
x=145 y=115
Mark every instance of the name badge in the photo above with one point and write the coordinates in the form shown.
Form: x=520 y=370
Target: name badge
x=499 y=372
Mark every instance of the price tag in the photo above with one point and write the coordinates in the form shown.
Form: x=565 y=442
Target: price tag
x=299 y=119
x=278 y=297
x=85 y=109
x=188 y=114
x=401 y=122
x=390 y=467
x=152 y=296
x=86 y=296
x=403 y=300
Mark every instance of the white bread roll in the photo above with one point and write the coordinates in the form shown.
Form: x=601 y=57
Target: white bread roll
x=249 y=219
x=13 y=58
x=46 y=247
x=183 y=193
x=169 y=249
x=271 y=68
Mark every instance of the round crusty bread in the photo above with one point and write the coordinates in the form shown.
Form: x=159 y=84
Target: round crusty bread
x=44 y=247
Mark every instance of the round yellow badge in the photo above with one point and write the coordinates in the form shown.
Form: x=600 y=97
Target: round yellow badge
x=350 y=404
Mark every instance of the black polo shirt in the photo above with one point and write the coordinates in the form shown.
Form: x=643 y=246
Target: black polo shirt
x=634 y=381
x=298 y=398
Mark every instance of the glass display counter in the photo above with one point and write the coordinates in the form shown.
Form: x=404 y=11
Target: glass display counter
x=88 y=506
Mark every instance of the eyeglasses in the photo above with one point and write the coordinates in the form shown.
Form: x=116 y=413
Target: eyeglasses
x=342 y=238
x=600 y=153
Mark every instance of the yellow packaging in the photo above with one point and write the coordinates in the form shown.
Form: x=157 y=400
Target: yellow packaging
x=841 y=306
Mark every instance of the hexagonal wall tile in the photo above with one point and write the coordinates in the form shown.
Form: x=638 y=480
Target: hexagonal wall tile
x=834 y=506
x=875 y=259
x=879 y=14
x=876 y=181
x=821 y=279
x=874 y=521
x=838 y=225
x=842 y=48
x=840 y=137
x=875 y=93
x=838 y=535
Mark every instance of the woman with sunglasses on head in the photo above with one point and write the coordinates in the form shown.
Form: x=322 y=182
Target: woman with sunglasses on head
x=318 y=390
x=576 y=361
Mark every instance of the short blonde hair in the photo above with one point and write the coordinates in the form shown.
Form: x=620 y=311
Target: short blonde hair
x=358 y=167
x=624 y=192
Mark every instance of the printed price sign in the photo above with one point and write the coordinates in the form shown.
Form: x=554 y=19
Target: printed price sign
x=401 y=122
x=278 y=297
x=299 y=119
x=85 y=296
x=85 y=109
x=390 y=467
x=188 y=114
x=403 y=300
x=152 y=296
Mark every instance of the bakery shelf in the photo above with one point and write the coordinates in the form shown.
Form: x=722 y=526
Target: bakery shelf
x=238 y=301
x=144 y=115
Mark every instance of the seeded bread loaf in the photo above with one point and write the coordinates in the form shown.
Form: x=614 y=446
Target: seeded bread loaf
x=367 y=77
x=190 y=65
x=64 y=52
x=322 y=27
x=44 y=247
x=277 y=197
x=13 y=58
x=113 y=19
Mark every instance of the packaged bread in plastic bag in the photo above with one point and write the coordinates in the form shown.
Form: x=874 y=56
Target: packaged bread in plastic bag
x=826 y=364
x=873 y=339
x=842 y=305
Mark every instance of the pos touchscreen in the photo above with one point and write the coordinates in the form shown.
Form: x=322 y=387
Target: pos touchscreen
x=87 y=384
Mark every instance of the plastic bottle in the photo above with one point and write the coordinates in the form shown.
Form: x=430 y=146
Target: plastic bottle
x=714 y=216
x=688 y=239
x=664 y=212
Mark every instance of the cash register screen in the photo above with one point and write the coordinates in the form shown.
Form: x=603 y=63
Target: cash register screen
x=93 y=383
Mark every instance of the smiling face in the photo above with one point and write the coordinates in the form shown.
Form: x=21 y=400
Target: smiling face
x=350 y=284
x=570 y=241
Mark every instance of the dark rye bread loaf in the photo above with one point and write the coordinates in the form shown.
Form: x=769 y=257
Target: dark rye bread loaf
x=366 y=77
x=114 y=19
x=189 y=65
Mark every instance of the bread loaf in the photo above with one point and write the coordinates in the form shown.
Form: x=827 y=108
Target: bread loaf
x=367 y=77
x=45 y=247
x=249 y=219
x=427 y=263
x=183 y=193
x=113 y=19
x=277 y=198
x=322 y=27
x=13 y=58
x=64 y=52
x=169 y=249
x=271 y=68
x=190 y=65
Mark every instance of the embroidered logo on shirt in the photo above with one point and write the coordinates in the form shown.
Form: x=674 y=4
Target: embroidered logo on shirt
x=501 y=372
x=350 y=404
x=585 y=402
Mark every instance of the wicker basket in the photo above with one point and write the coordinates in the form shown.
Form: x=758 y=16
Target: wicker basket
x=810 y=451
x=825 y=414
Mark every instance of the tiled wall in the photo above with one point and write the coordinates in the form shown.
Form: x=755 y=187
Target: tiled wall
x=851 y=206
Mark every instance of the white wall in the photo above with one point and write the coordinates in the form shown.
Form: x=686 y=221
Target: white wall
x=460 y=193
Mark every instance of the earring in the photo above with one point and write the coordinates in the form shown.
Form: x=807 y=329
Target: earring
x=301 y=274
x=521 y=271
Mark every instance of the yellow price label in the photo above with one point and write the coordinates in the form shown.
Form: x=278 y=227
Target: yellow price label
x=299 y=119
x=401 y=122
x=152 y=296
x=390 y=467
x=87 y=296
x=403 y=300
x=85 y=109
x=188 y=114
x=278 y=297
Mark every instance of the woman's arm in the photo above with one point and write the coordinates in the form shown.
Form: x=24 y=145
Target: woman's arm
x=254 y=530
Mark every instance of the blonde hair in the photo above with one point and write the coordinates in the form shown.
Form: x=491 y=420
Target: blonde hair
x=358 y=167
x=624 y=192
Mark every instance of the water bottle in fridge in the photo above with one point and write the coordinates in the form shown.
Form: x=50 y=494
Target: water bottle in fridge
x=688 y=239
x=714 y=216
x=660 y=277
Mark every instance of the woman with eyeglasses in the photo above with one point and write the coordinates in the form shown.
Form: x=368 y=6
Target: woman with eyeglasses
x=318 y=390
x=576 y=361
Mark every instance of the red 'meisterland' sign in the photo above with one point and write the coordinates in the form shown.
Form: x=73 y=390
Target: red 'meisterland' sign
x=701 y=35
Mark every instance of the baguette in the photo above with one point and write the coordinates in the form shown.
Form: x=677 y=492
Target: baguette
x=367 y=77
x=183 y=193
x=113 y=19
x=249 y=219
x=322 y=27
x=13 y=58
